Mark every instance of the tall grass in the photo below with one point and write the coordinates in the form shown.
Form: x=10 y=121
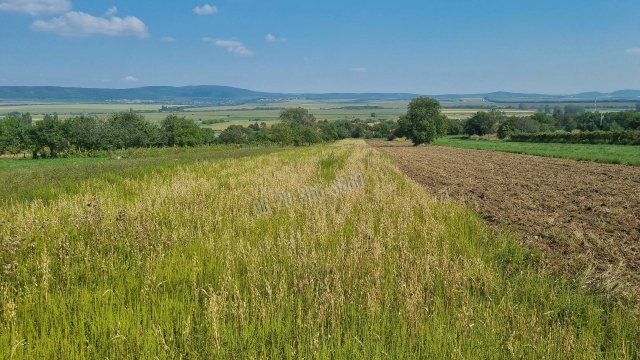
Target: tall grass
x=177 y=265
x=47 y=179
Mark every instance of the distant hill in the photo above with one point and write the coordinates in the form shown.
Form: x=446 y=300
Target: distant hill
x=213 y=94
x=149 y=93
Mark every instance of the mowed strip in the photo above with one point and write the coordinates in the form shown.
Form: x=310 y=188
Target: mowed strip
x=584 y=216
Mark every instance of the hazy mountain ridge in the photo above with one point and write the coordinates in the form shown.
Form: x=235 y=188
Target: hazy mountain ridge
x=218 y=94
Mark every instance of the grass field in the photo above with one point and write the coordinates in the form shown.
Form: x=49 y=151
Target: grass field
x=173 y=262
x=26 y=179
x=614 y=154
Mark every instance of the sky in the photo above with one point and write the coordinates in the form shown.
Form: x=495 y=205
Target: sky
x=425 y=47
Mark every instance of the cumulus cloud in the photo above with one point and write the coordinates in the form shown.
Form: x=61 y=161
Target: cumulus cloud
x=360 y=70
x=76 y=23
x=205 y=9
x=633 y=51
x=168 y=39
x=130 y=78
x=36 y=7
x=233 y=47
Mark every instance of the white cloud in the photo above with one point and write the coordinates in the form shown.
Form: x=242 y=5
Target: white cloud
x=633 y=51
x=111 y=12
x=205 y=9
x=168 y=39
x=272 y=38
x=233 y=47
x=36 y=7
x=82 y=24
x=360 y=70
x=130 y=78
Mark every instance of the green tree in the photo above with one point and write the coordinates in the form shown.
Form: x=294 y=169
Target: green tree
x=26 y=118
x=86 y=132
x=128 y=129
x=516 y=124
x=282 y=134
x=297 y=115
x=454 y=127
x=423 y=122
x=383 y=130
x=12 y=135
x=546 y=122
x=48 y=137
x=483 y=123
x=625 y=119
x=329 y=130
x=307 y=135
x=588 y=121
x=303 y=128
x=180 y=131
x=209 y=136
x=505 y=129
x=234 y=134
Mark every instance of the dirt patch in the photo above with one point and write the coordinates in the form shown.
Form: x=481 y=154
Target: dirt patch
x=584 y=216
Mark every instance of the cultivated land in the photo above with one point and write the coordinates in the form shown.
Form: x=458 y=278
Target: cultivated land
x=583 y=216
x=614 y=154
x=246 y=114
x=171 y=261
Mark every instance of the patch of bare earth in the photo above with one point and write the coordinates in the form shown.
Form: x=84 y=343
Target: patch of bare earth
x=584 y=216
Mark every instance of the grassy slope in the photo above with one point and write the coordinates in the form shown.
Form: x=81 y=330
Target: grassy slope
x=615 y=154
x=177 y=263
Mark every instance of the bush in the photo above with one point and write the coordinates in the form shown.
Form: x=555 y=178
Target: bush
x=483 y=123
x=515 y=124
x=454 y=127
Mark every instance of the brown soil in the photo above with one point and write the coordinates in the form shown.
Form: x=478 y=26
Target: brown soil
x=584 y=216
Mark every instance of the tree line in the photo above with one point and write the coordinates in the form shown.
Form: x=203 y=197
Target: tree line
x=84 y=134
x=569 y=119
x=53 y=137
x=422 y=123
x=298 y=127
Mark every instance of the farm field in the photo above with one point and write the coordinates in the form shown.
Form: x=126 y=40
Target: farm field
x=245 y=114
x=174 y=261
x=604 y=153
x=582 y=216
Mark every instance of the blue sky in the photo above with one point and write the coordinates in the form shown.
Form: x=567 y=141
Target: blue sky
x=428 y=47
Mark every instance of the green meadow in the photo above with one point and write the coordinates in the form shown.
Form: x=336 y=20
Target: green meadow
x=605 y=153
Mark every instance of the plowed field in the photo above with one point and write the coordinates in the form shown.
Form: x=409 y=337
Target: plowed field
x=583 y=216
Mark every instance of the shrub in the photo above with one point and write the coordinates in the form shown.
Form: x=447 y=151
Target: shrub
x=483 y=122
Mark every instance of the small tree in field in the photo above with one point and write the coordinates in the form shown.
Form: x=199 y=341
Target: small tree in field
x=423 y=122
